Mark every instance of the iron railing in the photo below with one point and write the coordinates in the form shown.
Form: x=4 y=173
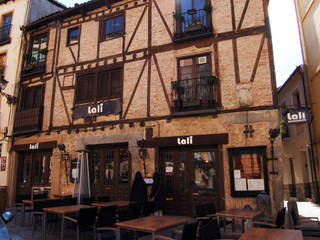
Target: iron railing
x=194 y=93
x=5 y=34
x=193 y=23
x=31 y=69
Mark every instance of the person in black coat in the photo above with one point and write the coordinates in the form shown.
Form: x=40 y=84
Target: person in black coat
x=157 y=194
x=138 y=193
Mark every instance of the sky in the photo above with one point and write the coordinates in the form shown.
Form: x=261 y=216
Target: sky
x=285 y=36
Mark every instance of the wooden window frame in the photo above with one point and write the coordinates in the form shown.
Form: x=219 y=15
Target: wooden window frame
x=69 y=36
x=31 y=45
x=248 y=150
x=95 y=80
x=33 y=89
x=113 y=35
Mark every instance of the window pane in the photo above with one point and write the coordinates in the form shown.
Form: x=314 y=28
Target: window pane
x=119 y=24
x=204 y=173
x=25 y=168
x=115 y=84
x=110 y=26
x=85 y=88
x=95 y=167
x=103 y=85
x=181 y=172
x=109 y=168
x=169 y=167
x=73 y=35
x=124 y=166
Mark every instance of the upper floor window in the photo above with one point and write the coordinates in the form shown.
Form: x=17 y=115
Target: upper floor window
x=32 y=97
x=73 y=36
x=2 y=64
x=39 y=45
x=93 y=87
x=5 y=28
x=113 y=27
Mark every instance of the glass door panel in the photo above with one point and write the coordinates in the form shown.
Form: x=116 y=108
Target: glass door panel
x=203 y=172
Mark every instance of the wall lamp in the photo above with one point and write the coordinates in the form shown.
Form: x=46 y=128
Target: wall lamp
x=142 y=154
x=3 y=84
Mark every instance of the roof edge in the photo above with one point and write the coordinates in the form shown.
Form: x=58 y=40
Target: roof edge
x=298 y=69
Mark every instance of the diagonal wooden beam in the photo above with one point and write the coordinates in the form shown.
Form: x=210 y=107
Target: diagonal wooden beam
x=163 y=20
x=162 y=82
x=64 y=101
x=233 y=17
x=135 y=89
x=236 y=60
x=255 y=68
x=74 y=58
x=243 y=14
x=136 y=28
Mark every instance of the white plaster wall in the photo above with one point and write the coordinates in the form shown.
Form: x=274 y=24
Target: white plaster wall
x=12 y=51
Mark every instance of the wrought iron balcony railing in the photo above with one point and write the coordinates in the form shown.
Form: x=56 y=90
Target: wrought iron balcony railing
x=27 y=121
x=31 y=69
x=192 y=24
x=5 y=34
x=194 y=94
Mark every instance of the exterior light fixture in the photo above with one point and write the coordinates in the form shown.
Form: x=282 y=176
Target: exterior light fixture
x=3 y=84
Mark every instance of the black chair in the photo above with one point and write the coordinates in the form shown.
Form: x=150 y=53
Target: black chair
x=278 y=223
x=106 y=220
x=85 y=221
x=103 y=199
x=211 y=208
x=18 y=206
x=135 y=209
x=211 y=231
x=189 y=232
x=88 y=200
x=148 y=208
x=201 y=214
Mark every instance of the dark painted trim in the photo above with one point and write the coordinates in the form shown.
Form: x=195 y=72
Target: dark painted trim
x=42 y=145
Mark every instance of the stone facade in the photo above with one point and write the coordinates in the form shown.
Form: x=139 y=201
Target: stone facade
x=240 y=59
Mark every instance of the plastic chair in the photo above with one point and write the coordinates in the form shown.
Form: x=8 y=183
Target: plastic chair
x=189 y=232
x=211 y=231
x=103 y=199
x=278 y=223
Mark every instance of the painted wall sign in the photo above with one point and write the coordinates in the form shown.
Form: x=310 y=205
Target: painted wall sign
x=3 y=163
x=34 y=146
x=98 y=109
x=184 y=141
x=297 y=116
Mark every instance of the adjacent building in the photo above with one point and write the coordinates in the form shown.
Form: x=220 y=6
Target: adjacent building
x=14 y=15
x=299 y=166
x=185 y=88
x=308 y=12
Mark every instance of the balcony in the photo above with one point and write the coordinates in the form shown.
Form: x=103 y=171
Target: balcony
x=192 y=24
x=194 y=94
x=5 y=34
x=27 y=121
x=33 y=69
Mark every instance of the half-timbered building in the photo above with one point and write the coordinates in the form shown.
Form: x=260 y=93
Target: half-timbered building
x=182 y=87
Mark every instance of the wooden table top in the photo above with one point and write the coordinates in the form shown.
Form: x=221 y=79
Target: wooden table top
x=239 y=213
x=29 y=201
x=62 y=195
x=111 y=203
x=153 y=223
x=66 y=209
x=271 y=234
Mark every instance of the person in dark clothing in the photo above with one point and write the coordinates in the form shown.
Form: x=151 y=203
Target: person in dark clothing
x=157 y=194
x=138 y=193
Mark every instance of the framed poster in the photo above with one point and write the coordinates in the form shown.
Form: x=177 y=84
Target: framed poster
x=248 y=171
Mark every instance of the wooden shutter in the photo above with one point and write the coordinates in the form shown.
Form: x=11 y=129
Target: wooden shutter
x=85 y=88
x=104 y=85
x=116 y=84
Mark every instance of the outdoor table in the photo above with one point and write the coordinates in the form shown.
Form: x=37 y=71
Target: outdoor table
x=151 y=224
x=245 y=214
x=111 y=203
x=28 y=202
x=271 y=234
x=61 y=211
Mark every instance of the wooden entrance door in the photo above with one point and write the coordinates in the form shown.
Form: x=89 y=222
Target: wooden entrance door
x=189 y=177
x=34 y=169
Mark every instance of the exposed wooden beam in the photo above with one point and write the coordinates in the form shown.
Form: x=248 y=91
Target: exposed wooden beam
x=254 y=71
x=163 y=20
x=243 y=14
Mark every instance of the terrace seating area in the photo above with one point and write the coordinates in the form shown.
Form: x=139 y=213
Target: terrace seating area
x=109 y=217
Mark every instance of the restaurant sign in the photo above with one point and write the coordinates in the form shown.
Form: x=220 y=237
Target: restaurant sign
x=98 y=109
x=297 y=116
